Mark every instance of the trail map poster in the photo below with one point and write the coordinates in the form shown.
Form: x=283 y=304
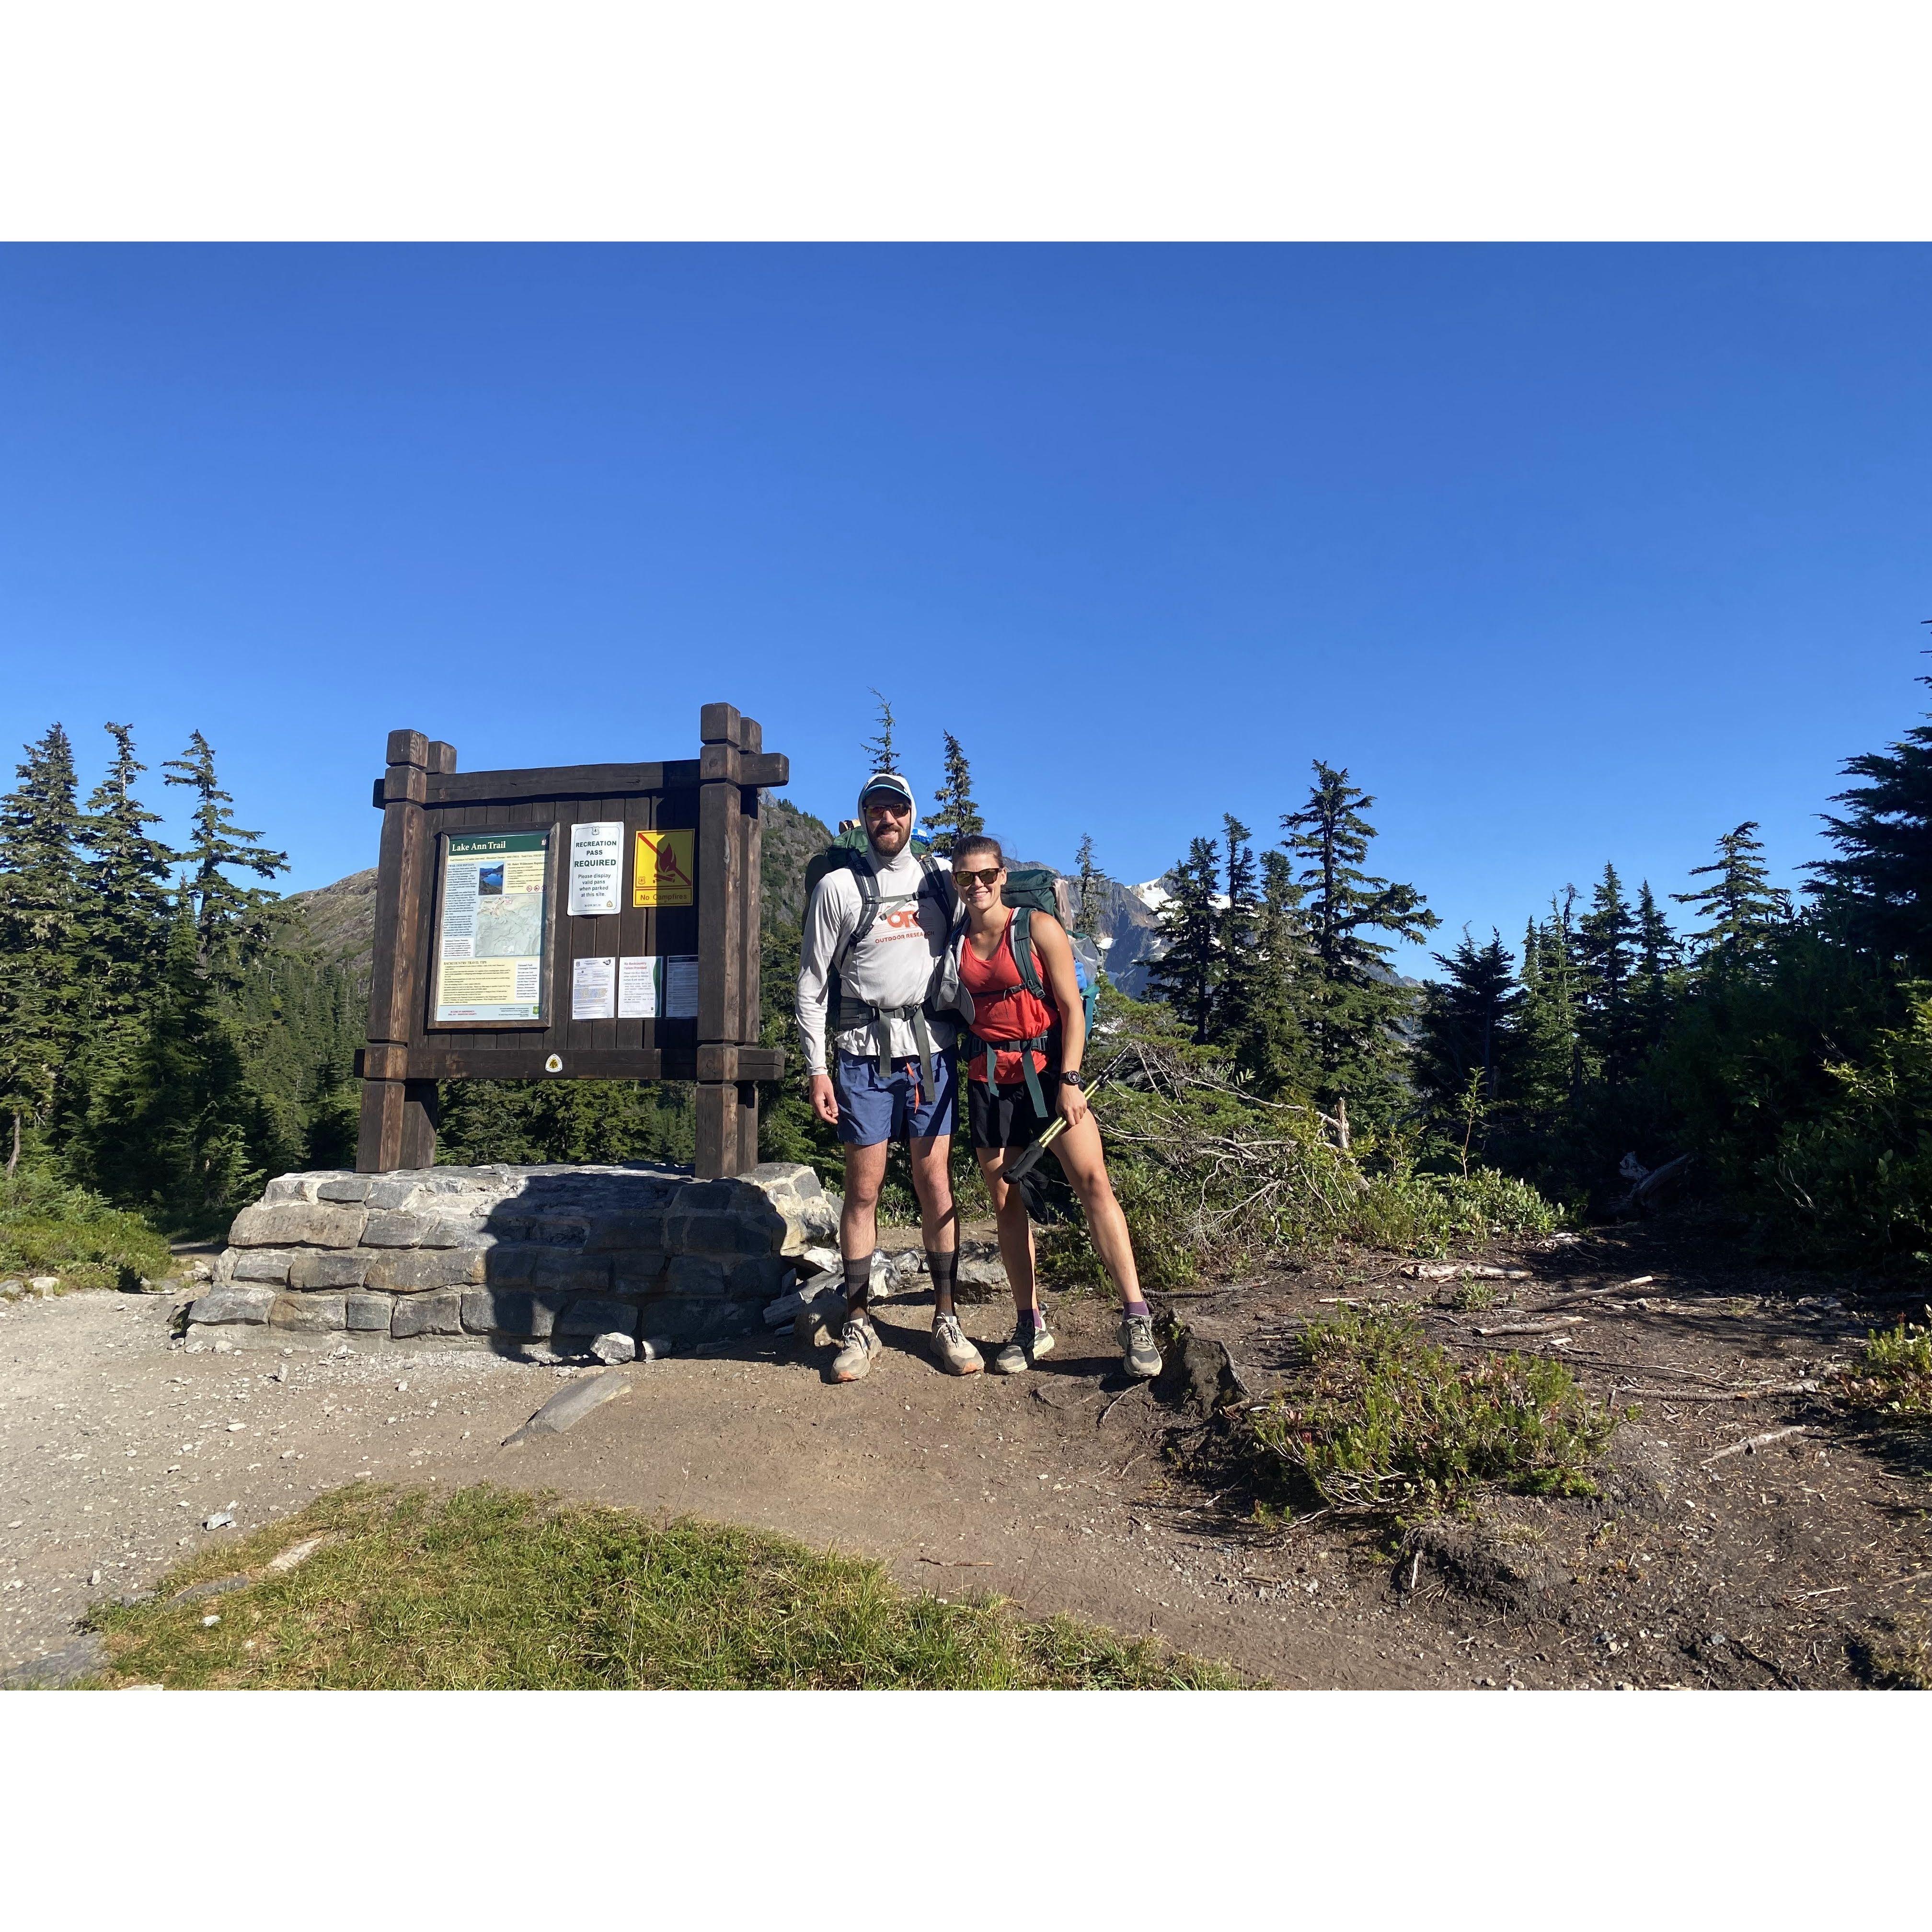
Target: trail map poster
x=665 y=872
x=489 y=960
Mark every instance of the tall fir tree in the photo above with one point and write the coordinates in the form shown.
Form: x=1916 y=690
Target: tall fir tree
x=878 y=750
x=1741 y=907
x=232 y=922
x=1468 y=1024
x=1090 y=891
x=40 y=917
x=1607 y=939
x=1358 y=1006
x=1273 y=1049
x=124 y=900
x=1659 y=961
x=1880 y=884
x=1187 y=973
x=178 y=1129
x=1238 y=938
x=955 y=813
x=1549 y=1052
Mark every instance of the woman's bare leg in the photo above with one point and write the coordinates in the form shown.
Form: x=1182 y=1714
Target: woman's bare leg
x=1077 y=1151
x=1015 y=1230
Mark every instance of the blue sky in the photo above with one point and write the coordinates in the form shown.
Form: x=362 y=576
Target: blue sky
x=1568 y=554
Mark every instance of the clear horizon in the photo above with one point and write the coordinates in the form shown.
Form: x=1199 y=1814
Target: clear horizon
x=1568 y=554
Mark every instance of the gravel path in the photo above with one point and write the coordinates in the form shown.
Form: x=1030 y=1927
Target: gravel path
x=117 y=1444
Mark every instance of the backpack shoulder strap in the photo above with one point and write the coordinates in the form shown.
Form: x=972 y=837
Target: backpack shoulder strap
x=1022 y=939
x=867 y=881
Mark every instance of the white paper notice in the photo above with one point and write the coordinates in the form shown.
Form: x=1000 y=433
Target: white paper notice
x=596 y=868
x=593 y=985
x=680 y=986
x=637 y=986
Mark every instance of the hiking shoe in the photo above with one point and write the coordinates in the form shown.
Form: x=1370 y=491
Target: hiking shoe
x=1027 y=1346
x=1138 y=1355
x=952 y=1351
x=858 y=1343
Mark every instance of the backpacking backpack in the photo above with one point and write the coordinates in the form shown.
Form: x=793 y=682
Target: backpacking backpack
x=1032 y=889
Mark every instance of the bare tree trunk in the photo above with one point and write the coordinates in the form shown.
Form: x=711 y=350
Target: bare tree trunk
x=13 y=1159
x=1342 y=1121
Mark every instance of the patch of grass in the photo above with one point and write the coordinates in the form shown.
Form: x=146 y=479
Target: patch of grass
x=47 y=1228
x=1386 y=1422
x=1471 y=1297
x=1893 y=1378
x=487 y=1589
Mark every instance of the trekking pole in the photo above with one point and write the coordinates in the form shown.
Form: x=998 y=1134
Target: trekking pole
x=1019 y=1165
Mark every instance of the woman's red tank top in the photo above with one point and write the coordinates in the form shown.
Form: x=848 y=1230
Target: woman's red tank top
x=1002 y=1009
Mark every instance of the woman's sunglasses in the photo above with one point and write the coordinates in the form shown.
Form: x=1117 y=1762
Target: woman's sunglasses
x=977 y=878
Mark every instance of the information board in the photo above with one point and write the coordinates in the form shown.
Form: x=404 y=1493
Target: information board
x=493 y=906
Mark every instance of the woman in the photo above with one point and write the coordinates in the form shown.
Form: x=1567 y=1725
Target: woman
x=1022 y=1060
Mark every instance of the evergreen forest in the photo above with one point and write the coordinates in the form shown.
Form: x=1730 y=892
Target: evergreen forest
x=171 y=1035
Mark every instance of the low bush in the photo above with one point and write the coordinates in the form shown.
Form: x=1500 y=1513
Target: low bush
x=49 y=1228
x=1384 y=1421
x=1893 y=1375
x=1211 y=1176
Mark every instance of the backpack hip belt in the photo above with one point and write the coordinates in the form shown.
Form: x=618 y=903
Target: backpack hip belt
x=1045 y=1042
x=854 y=1013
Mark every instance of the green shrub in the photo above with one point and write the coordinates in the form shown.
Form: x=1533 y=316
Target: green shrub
x=49 y=1228
x=1893 y=1377
x=1386 y=1421
x=1212 y=1177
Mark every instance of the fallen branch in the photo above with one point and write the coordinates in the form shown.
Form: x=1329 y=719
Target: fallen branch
x=1460 y=1270
x=1725 y=1395
x=1556 y=1327
x=957 y=1563
x=1751 y=1444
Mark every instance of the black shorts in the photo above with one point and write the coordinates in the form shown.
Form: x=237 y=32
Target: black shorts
x=1002 y=1117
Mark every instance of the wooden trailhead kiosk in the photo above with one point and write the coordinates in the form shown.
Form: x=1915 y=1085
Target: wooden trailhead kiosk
x=578 y=922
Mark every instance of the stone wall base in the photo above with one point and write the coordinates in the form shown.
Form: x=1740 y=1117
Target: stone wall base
x=549 y=1262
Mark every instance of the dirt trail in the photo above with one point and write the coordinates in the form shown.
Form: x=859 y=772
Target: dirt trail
x=1056 y=1488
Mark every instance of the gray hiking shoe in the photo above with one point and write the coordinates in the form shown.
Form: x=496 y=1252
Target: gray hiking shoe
x=1027 y=1346
x=952 y=1351
x=858 y=1344
x=1138 y=1355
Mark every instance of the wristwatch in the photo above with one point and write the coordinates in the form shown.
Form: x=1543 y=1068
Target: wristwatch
x=1071 y=1077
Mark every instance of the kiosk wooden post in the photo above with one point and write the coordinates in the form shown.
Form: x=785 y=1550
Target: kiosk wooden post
x=413 y=1044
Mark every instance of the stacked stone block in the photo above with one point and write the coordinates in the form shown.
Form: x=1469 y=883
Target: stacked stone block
x=502 y=1256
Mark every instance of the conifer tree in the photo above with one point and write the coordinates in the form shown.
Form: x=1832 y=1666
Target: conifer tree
x=1357 y=1007
x=878 y=751
x=1090 y=891
x=1187 y=973
x=1880 y=882
x=1550 y=1053
x=1469 y=1023
x=1237 y=939
x=954 y=814
x=1659 y=959
x=1607 y=937
x=40 y=931
x=1742 y=906
x=125 y=912
x=232 y=922
x=1274 y=1050
x=175 y=1130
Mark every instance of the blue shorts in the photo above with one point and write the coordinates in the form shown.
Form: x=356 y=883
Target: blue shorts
x=872 y=1110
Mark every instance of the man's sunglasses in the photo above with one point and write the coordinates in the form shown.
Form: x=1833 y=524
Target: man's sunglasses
x=977 y=878
x=887 y=802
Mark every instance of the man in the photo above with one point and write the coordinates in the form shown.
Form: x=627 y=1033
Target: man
x=875 y=930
